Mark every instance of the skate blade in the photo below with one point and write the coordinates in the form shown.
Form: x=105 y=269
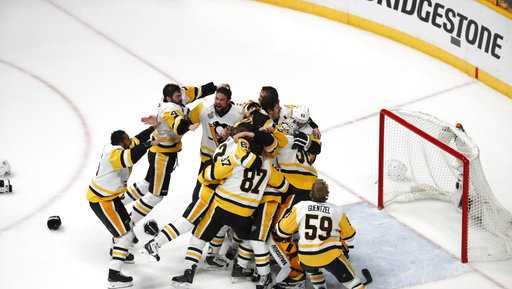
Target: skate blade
x=113 y=285
x=129 y=262
x=179 y=285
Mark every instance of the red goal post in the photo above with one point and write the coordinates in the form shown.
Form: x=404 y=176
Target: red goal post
x=389 y=116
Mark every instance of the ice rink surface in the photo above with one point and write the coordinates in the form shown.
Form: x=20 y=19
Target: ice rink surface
x=73 y=71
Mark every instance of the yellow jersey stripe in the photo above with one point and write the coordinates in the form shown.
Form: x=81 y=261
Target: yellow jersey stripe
x=299 y=166
x=101 y=189
x=238 y=197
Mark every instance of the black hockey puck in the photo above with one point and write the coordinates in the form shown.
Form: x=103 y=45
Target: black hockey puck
x=54 y=223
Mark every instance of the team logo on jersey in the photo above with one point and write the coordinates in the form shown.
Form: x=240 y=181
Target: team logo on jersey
x=225 y=161
x=216 y=129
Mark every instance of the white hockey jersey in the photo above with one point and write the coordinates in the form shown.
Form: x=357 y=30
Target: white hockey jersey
x=242 y=189
x=169 y=116
x=213 y=124
x=321 y=227
x=296 y=165
x=112 y=175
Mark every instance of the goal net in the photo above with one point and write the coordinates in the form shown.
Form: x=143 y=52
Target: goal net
x=422 y=157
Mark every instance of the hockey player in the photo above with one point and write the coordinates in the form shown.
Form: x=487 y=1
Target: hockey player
x=174 y=121
x=106 y=190
x=261 y=121
x=269 y=101
x=243 y=176
x=295 y=161
x=322 y=227
x=215 y=121
x=295 y=155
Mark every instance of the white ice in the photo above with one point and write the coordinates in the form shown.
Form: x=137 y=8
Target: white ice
x=111 y=59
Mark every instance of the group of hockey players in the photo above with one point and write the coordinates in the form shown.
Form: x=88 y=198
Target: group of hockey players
x=257 y=190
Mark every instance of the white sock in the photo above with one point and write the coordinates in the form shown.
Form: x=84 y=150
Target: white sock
x=120 y=250
x=135 y=191
x=143 y=206
x=217 y=241
x=261 y=257
x=194 y=251
x=173 y=230
x=245 y=254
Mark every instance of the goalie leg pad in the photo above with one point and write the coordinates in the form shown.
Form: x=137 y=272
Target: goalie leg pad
x=342 y=269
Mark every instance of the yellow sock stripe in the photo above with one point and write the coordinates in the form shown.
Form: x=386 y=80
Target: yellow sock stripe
x=130 y=194
x=245 y=254
x=296 y=276
x=119 y=254
x=262 y=260
x=194 y=255
x=142 y=208
x=170 y=231
x=134 y=193
x=317 y=278
x=217 y=242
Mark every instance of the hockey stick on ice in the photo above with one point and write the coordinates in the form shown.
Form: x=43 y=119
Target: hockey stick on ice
x=367 y=275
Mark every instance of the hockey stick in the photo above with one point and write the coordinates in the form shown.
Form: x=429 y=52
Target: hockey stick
x=367 y=275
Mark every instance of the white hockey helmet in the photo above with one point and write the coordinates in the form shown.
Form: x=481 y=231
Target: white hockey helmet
x=5 y=168
x=300 y=115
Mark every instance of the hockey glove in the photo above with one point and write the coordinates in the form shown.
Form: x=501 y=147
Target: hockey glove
x=151 y=228
x=301 y=141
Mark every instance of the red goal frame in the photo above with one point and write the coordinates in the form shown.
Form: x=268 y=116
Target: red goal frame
x=387 y=115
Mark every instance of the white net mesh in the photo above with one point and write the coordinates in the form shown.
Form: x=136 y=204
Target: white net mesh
x=416 y=169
